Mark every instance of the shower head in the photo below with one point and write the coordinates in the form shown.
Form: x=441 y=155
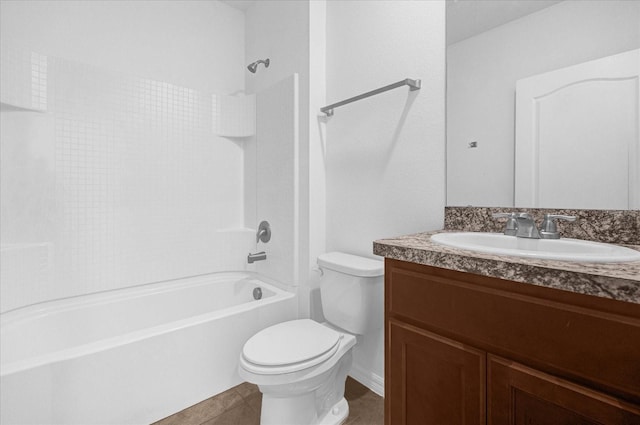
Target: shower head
x=254 y=66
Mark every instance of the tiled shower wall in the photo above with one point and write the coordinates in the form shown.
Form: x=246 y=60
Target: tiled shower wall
x=111 y=180
x=24 y=78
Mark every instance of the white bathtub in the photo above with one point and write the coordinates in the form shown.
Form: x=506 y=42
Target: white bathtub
x=131 y=356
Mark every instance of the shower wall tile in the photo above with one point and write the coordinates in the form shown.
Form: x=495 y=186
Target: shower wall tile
x=29 y=267
x=23 y=78
x=230 y=243
x=140 y=189
x=148 y=187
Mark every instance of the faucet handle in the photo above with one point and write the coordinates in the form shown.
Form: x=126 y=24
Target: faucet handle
x=549 y=228
x=511 y=228
x=264 y=232
x=560 y=217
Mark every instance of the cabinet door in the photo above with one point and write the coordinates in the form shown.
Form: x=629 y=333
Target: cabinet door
x=432 y=380
x=518 y=395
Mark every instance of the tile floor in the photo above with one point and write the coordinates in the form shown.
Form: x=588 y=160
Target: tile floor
x=241 y=406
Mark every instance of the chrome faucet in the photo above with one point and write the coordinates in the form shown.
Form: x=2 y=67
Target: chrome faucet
x=258 y=256
x=522 y=225
x=526 y=227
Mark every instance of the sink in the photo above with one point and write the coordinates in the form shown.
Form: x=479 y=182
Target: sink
x=545 y=249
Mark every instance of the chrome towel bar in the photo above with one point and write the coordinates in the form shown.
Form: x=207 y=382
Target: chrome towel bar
x=413 y=85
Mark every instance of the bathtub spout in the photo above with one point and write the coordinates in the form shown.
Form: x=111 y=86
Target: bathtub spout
x=258 y=256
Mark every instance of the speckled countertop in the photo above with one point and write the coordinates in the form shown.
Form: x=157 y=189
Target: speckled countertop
x=619 y=281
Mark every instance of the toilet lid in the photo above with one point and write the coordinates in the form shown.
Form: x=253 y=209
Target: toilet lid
x=290 y=342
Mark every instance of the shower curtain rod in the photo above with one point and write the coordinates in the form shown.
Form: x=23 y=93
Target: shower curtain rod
x=413 y=85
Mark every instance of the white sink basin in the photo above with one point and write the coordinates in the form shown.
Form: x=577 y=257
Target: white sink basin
x=547 y=249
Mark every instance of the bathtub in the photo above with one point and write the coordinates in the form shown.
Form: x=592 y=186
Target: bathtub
x=132 y=356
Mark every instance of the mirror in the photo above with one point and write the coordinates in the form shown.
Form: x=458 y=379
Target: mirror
x=492 y=46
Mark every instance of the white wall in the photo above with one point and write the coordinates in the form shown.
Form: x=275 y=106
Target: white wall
x=385 y=154
x=317 y=153
x=481 y=76
x=197 y=44
x=122 y=180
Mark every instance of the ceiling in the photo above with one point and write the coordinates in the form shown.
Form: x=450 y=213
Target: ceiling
x=465 y=18
x=240 y=4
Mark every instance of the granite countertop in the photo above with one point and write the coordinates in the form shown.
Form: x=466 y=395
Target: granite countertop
x=619 y=281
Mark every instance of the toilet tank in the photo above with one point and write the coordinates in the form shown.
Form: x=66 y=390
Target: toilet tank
x=352 y=291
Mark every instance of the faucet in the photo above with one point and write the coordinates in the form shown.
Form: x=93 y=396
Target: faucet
x=526 y=227
x=258 y=256
x=521 y=225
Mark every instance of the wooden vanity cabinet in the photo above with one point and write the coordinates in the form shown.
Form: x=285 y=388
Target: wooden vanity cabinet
x=467 y=349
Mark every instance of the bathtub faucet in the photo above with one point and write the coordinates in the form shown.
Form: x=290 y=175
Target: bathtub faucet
x=258 y=256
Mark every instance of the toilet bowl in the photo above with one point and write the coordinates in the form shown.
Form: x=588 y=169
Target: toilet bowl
x=301 y=365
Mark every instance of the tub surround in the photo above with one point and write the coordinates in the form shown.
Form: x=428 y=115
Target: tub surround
x=618 y=281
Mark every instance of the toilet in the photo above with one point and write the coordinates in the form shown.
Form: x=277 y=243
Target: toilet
x=301 y=365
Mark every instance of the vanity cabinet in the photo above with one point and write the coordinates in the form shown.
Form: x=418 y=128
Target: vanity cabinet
x=467 y=349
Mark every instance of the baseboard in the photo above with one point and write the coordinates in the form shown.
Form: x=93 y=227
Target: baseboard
x=369 y=379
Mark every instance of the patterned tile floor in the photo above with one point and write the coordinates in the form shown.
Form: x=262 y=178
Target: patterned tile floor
x=241 y=406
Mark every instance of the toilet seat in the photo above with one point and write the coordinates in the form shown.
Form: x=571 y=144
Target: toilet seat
x=289 y=347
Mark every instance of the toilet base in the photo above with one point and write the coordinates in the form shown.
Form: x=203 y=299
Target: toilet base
x=317 y=401
x=283 y=412
x=337 y=415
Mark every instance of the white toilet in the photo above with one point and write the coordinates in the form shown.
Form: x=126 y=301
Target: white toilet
x=301 y=366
